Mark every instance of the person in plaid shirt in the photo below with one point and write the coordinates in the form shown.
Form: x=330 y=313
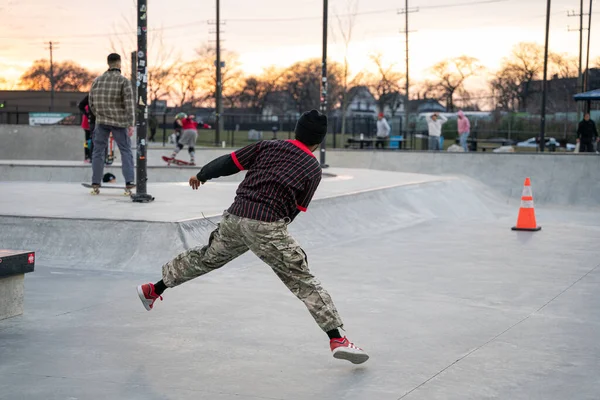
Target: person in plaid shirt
x=282 y=178
x=111 y=101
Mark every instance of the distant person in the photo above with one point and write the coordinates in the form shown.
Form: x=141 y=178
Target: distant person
x=434 y=124
x=188 y=137
x=383 y=131
x=177 y=127
x=153 y=123
x=111 y=101
x=464 y=130
x=88 y=123
x=587 y=134
x=282 y=178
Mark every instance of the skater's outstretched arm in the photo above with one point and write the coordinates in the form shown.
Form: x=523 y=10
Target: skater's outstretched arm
x=229 y=164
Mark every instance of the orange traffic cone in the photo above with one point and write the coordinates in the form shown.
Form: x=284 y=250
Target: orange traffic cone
x=526 y=220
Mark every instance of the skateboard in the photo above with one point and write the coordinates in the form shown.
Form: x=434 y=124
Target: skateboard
x=110 y=151
x=175 y=161
x=127 y=192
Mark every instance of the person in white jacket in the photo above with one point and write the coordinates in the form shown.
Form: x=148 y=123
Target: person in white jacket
x=434 y=123
x=383 y=131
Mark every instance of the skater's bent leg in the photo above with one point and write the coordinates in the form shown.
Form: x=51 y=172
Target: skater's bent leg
x=224 y=245
x=177 y=149
x=100 y=137
x=192 y=152
x=124 y=143
x=273 y=244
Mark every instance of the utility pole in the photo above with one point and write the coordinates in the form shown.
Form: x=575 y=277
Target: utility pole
x=219 y=88
x=579 y=72
x=141 y=103
x=545 y=82
x=324 y=82
x=586 y=79
x=52 y=47
x=406 y=11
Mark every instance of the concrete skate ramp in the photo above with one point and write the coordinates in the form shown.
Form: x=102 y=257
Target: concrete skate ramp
x=561 y=179
x=24 y=142
x=142 y=246
x=427 y=275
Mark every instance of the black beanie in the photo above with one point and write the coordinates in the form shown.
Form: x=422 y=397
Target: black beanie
x=311 y=128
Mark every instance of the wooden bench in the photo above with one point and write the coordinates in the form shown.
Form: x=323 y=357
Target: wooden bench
x=13 y=267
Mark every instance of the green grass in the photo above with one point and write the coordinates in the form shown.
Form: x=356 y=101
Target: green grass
x=206 y=138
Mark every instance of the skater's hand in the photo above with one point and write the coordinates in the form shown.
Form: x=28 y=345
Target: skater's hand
x=130 y=131
x=195 y=183
x=577 y=140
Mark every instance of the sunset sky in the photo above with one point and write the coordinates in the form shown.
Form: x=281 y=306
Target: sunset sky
x=279 y=32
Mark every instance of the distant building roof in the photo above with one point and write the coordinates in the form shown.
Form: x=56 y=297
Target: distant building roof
x=591 y=95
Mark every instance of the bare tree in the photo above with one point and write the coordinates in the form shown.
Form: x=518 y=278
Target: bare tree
x=385 y=84
x=161 y=62
x=451 y=75
x=256 y=89
x=187 y=87
x=231 y=75
x=302 y=82
x=513 y=81
x=68 y=76
x=346 y=28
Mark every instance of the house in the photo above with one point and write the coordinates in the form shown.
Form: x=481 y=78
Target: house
x=280 y=103
x=560 y=92
x=425 y=106
x=362 y=103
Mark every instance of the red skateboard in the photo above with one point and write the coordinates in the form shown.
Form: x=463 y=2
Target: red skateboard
x=175 y=161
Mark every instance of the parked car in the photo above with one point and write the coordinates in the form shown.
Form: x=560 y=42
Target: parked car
x=550 y=143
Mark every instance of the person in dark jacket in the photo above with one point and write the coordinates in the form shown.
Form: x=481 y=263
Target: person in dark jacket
x=88 y=124
x=586 y=134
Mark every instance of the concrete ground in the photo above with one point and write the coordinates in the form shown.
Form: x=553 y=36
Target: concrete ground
x=429 y=278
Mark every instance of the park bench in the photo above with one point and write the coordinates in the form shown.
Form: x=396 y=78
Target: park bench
x=13 y=267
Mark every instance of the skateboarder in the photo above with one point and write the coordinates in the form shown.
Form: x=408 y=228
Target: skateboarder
x=188 y=137
x=282 y=177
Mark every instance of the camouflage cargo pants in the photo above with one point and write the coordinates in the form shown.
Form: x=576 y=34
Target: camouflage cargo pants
x=272 y=243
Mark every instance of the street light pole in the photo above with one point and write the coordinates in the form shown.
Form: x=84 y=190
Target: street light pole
x=545 y=81
x=586 y=80
x=324 y=82
x=219 y=88
x=141 y=103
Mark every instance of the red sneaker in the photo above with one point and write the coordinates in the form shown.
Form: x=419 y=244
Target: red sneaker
x=344 y=350
x=147 y=295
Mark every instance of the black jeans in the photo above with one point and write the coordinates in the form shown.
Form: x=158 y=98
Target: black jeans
x=586 y=147
x=380 y=142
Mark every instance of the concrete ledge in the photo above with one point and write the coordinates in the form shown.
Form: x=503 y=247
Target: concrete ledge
x=13 y=267
x=11 y=295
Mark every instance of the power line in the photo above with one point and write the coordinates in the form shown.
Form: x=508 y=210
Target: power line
x=371 y=12
x=244 y=20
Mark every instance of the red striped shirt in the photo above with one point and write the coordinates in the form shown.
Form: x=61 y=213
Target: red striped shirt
x=282 y=178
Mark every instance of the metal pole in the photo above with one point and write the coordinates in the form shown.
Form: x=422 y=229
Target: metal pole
x=406 y=116
x=586 y=79
x=141 y=101
x=324 y=82
x=579 y=72
x=219 y=88
x=164 y=129
x=545 y=83
x=51 y=79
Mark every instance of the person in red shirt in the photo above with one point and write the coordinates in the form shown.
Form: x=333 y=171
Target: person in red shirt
x=188 y=137
x=282 y=178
